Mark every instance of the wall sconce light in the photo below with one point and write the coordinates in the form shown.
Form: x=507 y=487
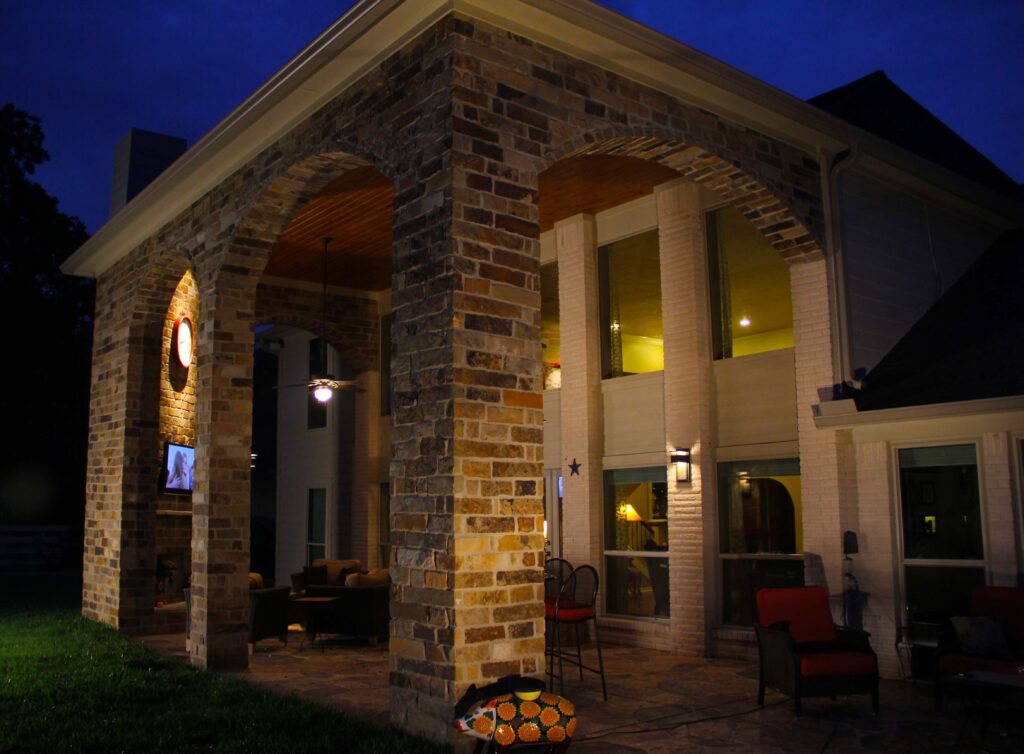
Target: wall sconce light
x=681 y=458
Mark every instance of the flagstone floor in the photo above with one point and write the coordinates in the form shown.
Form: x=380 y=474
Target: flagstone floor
x=657 y=702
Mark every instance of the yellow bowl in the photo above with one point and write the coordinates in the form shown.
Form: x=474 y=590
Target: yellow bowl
x=527 y=695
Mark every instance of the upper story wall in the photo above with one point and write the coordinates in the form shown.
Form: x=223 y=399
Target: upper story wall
x=901 y=252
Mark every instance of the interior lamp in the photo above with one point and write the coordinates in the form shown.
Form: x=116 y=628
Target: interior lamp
x=681 y=458
x=631 y=514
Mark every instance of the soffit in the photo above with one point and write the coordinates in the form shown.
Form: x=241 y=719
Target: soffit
x=354 y=211
x=593 y=183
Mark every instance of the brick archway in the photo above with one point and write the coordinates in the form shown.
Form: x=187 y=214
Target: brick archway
x=120 y=591
x=790 y=219
x=229 y=284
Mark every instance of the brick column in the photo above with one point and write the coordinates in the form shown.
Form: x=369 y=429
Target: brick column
x=876 y=565
x=221 y=496
x=688 y=406
x=581 y=408
x=467 y=425
x=101 y=577
x=365 y=465
x=826 y=456
x=995 y=466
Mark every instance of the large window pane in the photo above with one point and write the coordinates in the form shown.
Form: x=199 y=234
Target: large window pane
x=316 y=524
x=941 y=509
x=636 y=542
x=550 y=327
x=938 y=592
x=742 y=577
x=759 y=506
x=751 y=307
x=632 y=339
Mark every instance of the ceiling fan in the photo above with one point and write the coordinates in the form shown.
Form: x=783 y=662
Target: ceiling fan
x=323 y=384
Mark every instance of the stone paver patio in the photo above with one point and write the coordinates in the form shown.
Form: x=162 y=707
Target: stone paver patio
x=657 y=702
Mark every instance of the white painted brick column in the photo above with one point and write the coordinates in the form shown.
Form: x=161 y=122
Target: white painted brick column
x=365 y=470
x=688 y=409
x=996 y=461
x=826 y=467
x=582 y=412
x=876 y=565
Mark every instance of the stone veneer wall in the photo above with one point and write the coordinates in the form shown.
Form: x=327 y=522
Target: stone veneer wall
x=462 y=120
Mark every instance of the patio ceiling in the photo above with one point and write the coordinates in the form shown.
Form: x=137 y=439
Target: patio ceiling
x=355 y=211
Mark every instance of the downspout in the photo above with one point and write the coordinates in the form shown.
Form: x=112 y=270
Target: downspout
x=831 y=168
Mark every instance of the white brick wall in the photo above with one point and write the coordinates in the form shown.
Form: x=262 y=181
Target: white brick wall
x=688 y=408
x=582 y=429
x=826 y=467
x=996 y=459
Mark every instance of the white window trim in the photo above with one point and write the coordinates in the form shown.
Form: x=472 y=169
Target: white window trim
x=901 y=561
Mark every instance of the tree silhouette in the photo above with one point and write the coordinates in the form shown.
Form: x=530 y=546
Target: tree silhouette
x=45 y=338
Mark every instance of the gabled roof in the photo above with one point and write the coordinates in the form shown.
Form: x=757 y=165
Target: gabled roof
x=968 y=346
x=877 y=105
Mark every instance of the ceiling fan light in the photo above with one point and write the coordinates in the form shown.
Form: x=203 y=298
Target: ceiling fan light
x=322 y=393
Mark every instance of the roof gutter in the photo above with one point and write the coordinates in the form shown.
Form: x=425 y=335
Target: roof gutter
x=845 y=415
x=831 y=169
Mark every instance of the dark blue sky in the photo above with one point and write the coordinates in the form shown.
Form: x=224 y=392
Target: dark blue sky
x=91 y=70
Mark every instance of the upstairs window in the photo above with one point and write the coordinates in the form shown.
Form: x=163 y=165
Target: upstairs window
x=632 y=339
x=550 y=326
x=751 y=306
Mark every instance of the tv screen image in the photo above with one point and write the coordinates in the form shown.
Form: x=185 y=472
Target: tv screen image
x=179 y=468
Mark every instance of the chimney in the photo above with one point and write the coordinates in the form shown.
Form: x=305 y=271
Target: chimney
x=140 y=157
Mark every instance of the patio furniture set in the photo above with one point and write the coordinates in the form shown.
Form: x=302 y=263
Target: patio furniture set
x=978 y=657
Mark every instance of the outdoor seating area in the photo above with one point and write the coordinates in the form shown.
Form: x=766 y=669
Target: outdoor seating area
x=661 y=702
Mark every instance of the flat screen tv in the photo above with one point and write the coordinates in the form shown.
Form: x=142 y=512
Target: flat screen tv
x=178 y=469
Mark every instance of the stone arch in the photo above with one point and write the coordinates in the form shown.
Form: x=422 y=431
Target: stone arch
x=157 y=284
x=790 y=219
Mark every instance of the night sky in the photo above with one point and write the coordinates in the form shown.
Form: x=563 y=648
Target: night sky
x=92 y=70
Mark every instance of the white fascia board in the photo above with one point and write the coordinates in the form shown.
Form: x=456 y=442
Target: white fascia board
x=844 y=414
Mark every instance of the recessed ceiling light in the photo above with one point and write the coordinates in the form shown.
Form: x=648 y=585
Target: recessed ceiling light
x=744 y=321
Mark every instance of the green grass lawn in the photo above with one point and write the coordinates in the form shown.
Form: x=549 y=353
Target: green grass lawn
x=68 y=684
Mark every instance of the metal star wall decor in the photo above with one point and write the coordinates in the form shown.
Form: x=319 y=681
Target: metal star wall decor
x=574 y=468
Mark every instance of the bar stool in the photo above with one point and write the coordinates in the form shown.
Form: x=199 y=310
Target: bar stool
x=574 y=605
x=556 y=572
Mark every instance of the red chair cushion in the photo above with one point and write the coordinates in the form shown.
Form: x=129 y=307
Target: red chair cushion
x=806 y=609
x=568 y=611
x=837 y=662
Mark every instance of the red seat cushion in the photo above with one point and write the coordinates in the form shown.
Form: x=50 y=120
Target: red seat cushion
x=806 y=609
x=568 y=611
x=837 y=662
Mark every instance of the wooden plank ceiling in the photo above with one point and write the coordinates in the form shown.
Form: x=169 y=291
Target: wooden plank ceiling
x=355 y=211
x=594 y=183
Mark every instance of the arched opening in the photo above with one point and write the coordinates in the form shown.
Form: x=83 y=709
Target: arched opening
x=660 y=261
x=317 y=473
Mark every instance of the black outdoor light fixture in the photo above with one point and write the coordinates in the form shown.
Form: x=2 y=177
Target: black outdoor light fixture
x=680 y=457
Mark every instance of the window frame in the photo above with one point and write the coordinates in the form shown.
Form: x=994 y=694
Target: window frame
x=327 y=523
x=603 y=597
x=901 y=560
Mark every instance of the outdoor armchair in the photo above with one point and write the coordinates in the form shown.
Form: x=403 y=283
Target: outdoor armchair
x=803 y=654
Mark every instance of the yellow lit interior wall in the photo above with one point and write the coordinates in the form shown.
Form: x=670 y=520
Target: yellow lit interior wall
x=640 y=354
x=773 y=340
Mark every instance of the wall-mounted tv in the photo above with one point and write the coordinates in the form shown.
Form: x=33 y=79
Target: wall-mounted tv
x=178 y=469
